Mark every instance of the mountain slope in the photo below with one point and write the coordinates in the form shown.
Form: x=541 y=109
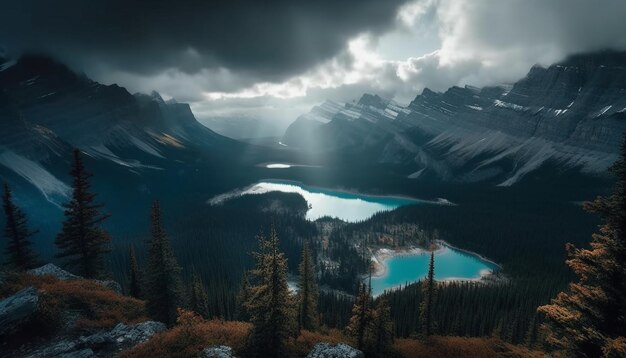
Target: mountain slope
x=135 y=145
x=570 y=115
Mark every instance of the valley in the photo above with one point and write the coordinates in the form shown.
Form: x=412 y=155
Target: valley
x=371 y=182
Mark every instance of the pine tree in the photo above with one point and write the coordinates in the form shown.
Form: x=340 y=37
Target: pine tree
x=198 y=297
x=18 y=248
x=243 y=296
x=82 y=242
x=134 y=275
x=307 y=292
x=426 y=308
x=269 y=302
x=379 y=333
x=361 y=316
x=163 y=281
x=589 y=319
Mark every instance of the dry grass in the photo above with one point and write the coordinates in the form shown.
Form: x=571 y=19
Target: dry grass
x=95 y=306
x=188 y=340
x=301 y=346
x=442 y=347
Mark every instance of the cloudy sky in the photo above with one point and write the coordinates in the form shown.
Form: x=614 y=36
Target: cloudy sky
x=276 y=59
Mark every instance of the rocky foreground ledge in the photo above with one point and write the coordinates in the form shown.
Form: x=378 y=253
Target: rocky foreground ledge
x=26 y=304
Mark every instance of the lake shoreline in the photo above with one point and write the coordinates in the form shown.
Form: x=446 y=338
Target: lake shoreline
x=221 y=198
x=381 y=254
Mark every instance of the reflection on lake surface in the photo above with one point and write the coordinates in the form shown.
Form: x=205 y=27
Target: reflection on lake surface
x=278 y=166
x=450 y=264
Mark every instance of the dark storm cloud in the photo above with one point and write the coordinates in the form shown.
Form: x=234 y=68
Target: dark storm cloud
x=268 y=40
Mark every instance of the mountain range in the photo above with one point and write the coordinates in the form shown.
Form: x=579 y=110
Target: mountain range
x=571 y=115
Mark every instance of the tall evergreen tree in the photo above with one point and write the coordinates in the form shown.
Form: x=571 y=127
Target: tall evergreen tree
x=308 y=293
x=361 y=316
x=163 y=280
x=82 y=242
x=243 y=296
x=18 y=248
x=426 y=308
x=589 y=319
x=269 y=302
x=134 y=275
x=379 y=333
x=198 y=297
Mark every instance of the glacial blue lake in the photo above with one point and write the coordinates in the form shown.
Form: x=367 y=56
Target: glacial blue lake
x=349 y=207
x=450 y=264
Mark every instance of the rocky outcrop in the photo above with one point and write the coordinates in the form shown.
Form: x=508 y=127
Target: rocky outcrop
x=55 y=271
x=103 y=344
x=17 y=309
x=341 y=350
x=217 y=352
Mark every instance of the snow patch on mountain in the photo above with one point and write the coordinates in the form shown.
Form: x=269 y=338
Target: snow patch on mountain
x=51 y=187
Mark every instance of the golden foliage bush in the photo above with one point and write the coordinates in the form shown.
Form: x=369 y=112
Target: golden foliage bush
x=302 y=345
x=467 y=347
x=191 y=336
x=98 y=307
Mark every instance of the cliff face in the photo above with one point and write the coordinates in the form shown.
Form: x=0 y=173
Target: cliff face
x=572 y=113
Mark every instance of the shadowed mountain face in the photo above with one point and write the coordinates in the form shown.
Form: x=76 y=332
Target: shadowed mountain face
x=139 y=147
x=570 y=115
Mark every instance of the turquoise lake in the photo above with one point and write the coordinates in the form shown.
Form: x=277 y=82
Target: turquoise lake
x=349 y=207
x=450 y=264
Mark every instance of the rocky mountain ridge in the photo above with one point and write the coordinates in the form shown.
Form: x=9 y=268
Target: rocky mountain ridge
x=571 y=114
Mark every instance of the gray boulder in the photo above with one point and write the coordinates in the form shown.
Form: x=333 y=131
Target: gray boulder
x=341 y=350
x=53 y=270
x=217 y=352
x=103 y=344
x=17 y=309
x=59 y=273
x=122 y=336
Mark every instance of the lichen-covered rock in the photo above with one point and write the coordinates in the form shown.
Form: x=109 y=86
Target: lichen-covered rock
x=341 y=350
x=103 y=344
x=59 y=349
x=217 y=352
x=53 y=270
x=122 y=336
x=16 y=309
x=59 y=273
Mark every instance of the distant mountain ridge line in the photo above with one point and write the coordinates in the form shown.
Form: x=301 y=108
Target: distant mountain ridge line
x=572 y=113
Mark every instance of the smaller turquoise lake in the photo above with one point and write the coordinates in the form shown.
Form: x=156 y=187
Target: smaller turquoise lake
x=450 y=264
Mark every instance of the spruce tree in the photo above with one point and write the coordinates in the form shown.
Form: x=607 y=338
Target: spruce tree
x=134 y=275
x=18 y=248
x=361 y=316
x=198 y=297
x=379 y=333
x=243 y=296
x=426 y=308
x=163 y=281
x=589 y=319
x=307 y=292
x=82 y=242
x=269 y=301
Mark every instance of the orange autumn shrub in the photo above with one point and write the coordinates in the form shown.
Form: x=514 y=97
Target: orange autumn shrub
x=435 y=347
x=190 y=337
x=98 y=307
x=301 y=346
